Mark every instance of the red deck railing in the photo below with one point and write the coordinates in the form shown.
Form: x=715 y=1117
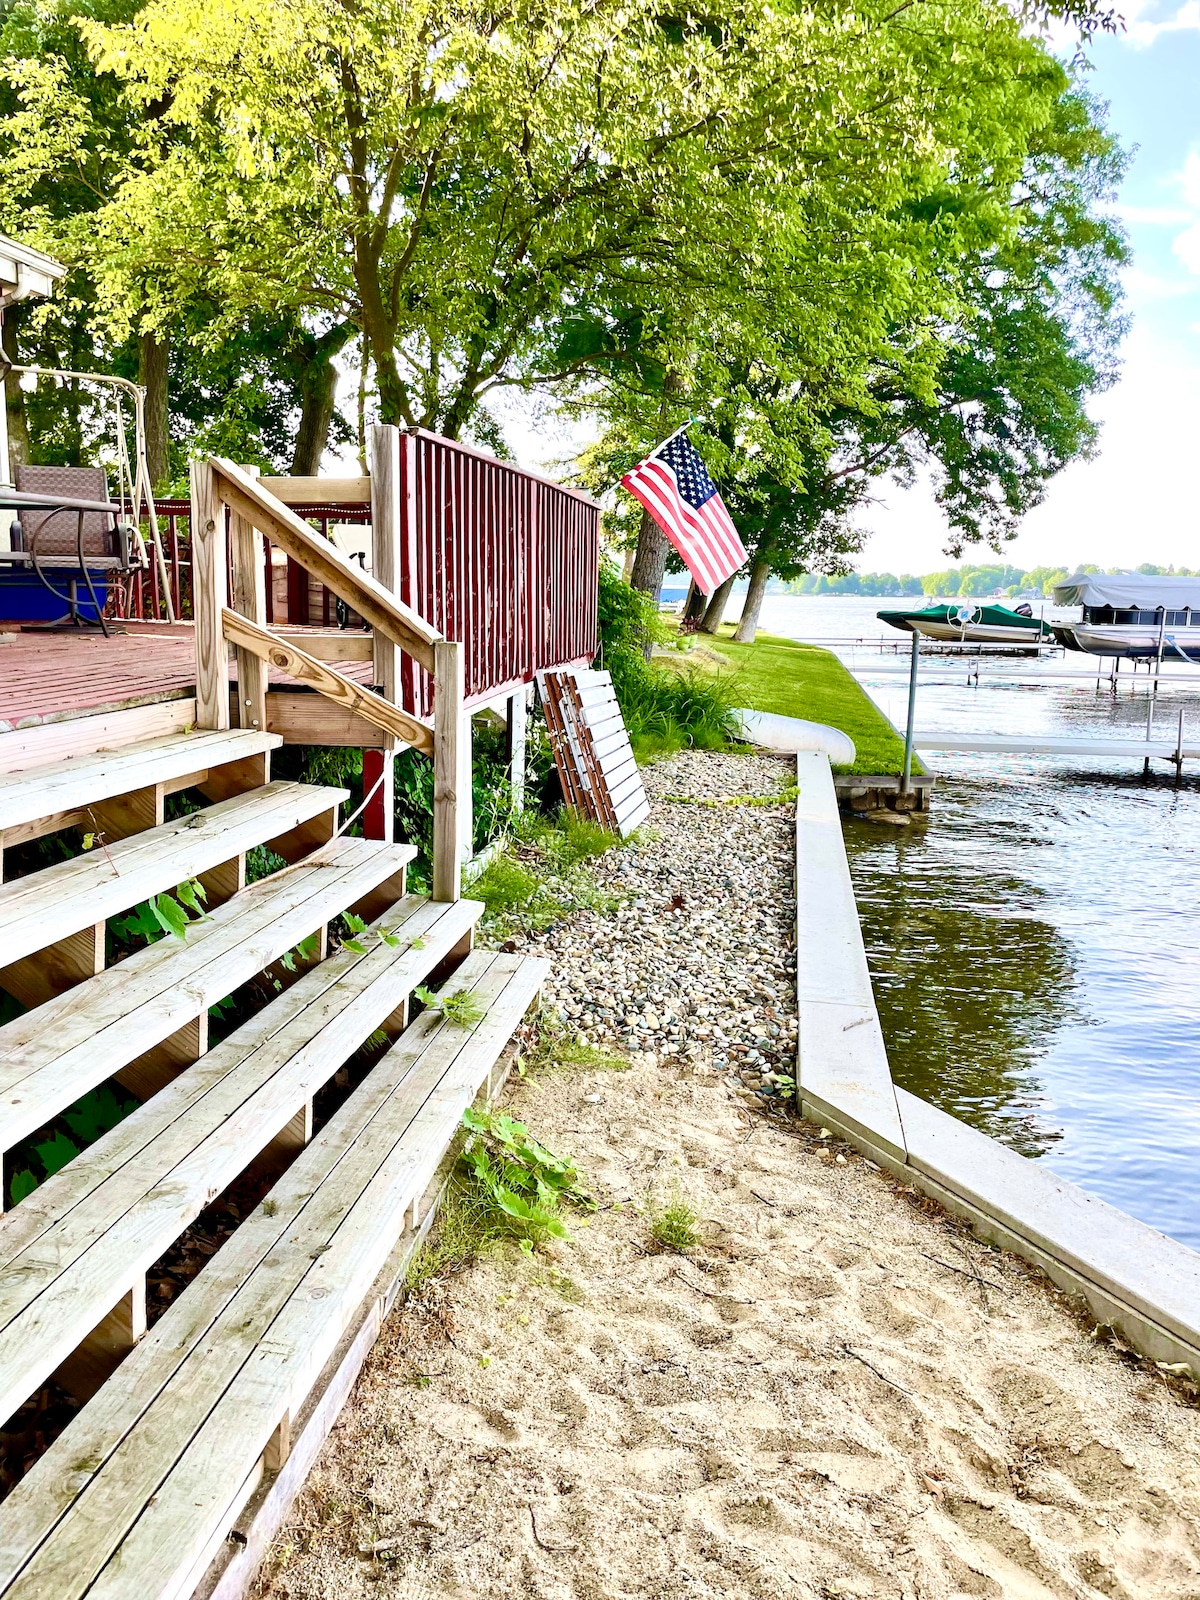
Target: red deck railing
x=499 y=558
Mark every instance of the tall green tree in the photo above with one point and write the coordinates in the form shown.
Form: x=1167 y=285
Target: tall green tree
x=982 y=386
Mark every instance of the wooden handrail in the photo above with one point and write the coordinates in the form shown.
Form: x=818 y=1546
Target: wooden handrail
x=298 y=664
x=283 y=527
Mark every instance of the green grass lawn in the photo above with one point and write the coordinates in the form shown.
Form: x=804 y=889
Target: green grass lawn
x=801 y=680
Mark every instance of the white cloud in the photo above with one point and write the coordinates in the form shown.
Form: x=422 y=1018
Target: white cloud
x=1189 y=178
x=1142 y=34
x=1187 y=247
x=1153 y=216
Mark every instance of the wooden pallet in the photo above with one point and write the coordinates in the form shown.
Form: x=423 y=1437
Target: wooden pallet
x=596 y=767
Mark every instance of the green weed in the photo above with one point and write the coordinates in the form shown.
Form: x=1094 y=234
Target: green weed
x=462 y=1007
x=674 y=1226
x=785 y=797
x=506 y=1187
x=164 y=914
x=556 y=1044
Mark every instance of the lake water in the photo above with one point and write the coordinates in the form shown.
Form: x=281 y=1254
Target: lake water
x=1035 y=947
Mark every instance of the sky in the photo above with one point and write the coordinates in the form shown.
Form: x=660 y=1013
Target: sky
x=1139 y=498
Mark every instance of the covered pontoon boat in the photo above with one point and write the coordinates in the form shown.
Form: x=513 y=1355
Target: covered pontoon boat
x=966 y=622
x=1131 y=614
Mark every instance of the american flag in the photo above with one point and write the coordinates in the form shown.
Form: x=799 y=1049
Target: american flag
x=676 y=490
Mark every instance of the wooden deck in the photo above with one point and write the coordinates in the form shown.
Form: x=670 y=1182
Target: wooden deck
x=54 y=677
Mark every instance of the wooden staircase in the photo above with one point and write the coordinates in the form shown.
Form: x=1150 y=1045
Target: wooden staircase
x=205 y=1424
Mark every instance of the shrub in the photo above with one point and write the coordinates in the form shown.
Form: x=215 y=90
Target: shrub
x=663 y=710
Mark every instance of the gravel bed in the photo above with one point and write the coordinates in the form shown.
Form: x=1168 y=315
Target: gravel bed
x=699 y=961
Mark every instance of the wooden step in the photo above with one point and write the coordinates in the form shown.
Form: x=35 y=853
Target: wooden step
x=141 y=1490
x=62 y=789
x=78 y=1248
x=62 y=901
x=57 y=1052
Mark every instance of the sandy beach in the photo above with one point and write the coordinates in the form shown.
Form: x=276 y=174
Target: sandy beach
x=837 y=1392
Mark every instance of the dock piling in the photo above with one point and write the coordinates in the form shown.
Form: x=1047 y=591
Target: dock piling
x=906 y=776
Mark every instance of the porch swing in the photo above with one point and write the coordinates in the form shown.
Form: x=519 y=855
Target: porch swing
x=69 y=534
x=65 y=533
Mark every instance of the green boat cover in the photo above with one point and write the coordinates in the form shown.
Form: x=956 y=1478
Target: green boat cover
x=965 y=612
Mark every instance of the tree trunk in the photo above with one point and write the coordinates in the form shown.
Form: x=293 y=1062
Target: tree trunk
x=14 y=397
x=714 y=612
x=153 y=356
x=627 y=565
x=318 y=399
x=748 y=626
x=649 y=564
x=693 y=608
x=650 y=561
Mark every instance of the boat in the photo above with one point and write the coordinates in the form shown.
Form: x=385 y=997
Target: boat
x=967 y=622
x=1133 y=614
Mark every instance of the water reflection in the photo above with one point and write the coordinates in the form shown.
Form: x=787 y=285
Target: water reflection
x=971 y=979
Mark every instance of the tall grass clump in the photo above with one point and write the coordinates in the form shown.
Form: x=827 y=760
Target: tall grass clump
x=663 y=710
x=542 y=874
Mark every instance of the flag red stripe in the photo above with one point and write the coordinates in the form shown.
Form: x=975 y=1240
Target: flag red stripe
x=705 y=565
x=704 y=537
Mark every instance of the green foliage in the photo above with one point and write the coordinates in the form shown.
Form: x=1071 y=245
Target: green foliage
x=801 y=680
x=786 y=796
x=542 y=875
x=50 y=1149
x=164 y=914
x=673 y=1227
x=526 y=1183
x=462 y=1008
x=663 y=710
x=505 y=1188
x=556 y=1045
x=261 y=862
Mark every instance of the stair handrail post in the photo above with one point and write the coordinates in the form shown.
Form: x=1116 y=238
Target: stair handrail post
x=249 y=600
x=451 y=769
x=383 y=460
x=209 y=596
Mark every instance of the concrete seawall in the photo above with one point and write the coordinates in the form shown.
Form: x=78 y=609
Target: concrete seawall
x=1136 y=1280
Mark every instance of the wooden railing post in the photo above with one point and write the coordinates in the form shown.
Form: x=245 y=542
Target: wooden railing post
x=451 y=769
x=517 y=720
x=209 y=591
x=383 y=444
x=250 y=601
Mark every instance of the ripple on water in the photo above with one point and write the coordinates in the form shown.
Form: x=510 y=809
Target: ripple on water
x=1036 y=947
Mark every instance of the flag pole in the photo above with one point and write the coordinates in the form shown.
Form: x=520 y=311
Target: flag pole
x=681 y=429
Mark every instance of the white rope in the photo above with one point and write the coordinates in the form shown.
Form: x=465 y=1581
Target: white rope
x=367 y=798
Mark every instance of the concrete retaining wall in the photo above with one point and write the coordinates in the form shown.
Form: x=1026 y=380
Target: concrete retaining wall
x=1135 y=1279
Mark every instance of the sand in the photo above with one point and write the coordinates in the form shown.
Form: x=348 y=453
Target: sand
x=839 y=1393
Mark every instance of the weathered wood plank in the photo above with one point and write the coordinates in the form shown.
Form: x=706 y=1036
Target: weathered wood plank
x=299 y=716
x=53 y=904
x=326 y=680
x=249 y=601
x=209 y=596
x=369 y=598
x=89 y=1231
x=66 y=785
x=329 y=644
x=319 y=491
x=341 y=1207
x=77 y=735
x=451 y=769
